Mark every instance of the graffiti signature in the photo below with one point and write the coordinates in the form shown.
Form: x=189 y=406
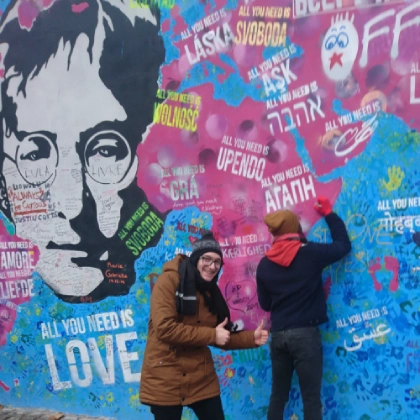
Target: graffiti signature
x=359 y=340
x=353 y=137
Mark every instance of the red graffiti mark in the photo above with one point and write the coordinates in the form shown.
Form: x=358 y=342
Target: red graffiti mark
x=223 y=360
x=336 y=59
x=393 y=265
x=25 y=212
x=373 y=268
x=79 y=8
x=327 y=287
x=152 y=280
x=181 y=227
x=4 y=386
x=247 y=230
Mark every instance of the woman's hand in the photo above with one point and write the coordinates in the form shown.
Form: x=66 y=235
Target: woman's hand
x=260 y=335
x=222 y=335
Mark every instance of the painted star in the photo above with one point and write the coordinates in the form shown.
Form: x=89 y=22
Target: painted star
x=336 y=59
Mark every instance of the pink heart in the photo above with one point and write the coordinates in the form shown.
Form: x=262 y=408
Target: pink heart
x=239 y=294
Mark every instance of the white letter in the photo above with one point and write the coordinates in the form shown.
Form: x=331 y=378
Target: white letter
x=308 y=187
x=44 y=331
x=66 y=325
x=413 y=99
x=229 y=158
x=191 y=57
x=84 y=356
x=313 y=6
x=300 y=8
x=398 y=27
x=174 y=190
x=268 y=85
x=368 y=37
x=126 y=358
x=107 y=374
x=57 y=384
x=269 y=202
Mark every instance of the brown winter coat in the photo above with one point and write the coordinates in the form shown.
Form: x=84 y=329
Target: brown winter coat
x=177 y=365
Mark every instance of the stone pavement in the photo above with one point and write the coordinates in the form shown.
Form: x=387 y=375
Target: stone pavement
x=11 y=413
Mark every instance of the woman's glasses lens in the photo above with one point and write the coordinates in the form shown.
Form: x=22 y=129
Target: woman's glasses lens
x=209 y=261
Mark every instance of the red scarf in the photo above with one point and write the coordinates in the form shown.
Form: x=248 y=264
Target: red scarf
x=284 y=249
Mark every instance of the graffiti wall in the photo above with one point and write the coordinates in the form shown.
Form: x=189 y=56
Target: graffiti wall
x=129 y=126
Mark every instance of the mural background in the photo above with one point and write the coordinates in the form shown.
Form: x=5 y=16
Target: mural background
x=251 y=107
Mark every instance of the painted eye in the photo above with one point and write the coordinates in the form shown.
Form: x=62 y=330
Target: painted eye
x=342 y=40
x=41 y=149
x=36 y=158
x=107 y=157
x=330 y=42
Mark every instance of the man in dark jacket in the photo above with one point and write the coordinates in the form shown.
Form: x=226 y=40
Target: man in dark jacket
x=290 y=287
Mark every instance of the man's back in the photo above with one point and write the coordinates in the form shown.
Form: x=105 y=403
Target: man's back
x=294 y=294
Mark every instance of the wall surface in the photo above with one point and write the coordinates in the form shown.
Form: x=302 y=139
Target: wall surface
x=127 y=128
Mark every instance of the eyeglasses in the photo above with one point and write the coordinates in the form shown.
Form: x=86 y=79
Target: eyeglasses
x=106 y=157
x=209 y=261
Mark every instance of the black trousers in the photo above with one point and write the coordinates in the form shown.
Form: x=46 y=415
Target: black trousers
x=299 y=349
x=210 y=409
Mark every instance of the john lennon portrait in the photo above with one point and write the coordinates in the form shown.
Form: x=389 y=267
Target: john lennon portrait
x=77 y=95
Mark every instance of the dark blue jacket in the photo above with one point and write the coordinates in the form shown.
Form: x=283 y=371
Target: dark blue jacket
x=294 y=294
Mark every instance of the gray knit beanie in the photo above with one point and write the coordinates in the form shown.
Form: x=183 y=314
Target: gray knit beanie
x=207 y=243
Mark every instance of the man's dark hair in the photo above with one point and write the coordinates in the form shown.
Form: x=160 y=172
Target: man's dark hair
x=129 y=65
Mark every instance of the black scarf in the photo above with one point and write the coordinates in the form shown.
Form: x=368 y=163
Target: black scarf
x=186 y=295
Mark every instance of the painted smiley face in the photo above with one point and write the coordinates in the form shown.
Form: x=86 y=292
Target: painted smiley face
x=339 y=49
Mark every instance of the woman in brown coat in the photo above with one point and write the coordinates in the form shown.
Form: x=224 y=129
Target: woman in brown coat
x=188 y=313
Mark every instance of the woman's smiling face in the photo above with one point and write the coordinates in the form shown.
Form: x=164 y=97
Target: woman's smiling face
x=209 y=265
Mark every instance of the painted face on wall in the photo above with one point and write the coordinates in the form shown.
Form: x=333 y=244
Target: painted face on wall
x=68 y=151
x=339 y=48
x=71 y=123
